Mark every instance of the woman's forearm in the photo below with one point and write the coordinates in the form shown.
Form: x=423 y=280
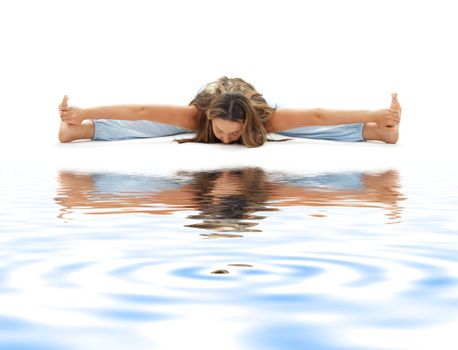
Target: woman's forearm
x=286 y=118
x=121 y=112
x=181 y=116
x=335 y=117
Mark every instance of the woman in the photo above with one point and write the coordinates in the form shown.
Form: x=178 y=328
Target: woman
x=227 y=111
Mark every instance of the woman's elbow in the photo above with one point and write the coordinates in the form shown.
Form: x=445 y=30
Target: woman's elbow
x=139 y=112
x=319 y=116
x=193 y=116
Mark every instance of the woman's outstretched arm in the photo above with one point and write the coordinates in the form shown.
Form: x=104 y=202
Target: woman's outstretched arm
x=284 y=118
x=181 y=116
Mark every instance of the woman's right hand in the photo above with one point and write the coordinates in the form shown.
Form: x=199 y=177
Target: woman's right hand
x=389 y=117
x=70 y=115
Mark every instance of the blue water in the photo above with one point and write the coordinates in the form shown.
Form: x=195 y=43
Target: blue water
x=230 y=259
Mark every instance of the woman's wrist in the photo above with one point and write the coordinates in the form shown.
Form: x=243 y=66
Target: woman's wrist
x=85 y=113
x=372 y=116
x=90 y=113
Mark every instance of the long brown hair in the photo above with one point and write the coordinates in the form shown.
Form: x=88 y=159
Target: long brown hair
x=236 y=100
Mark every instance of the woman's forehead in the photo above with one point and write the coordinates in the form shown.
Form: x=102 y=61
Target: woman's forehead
x=227 y=125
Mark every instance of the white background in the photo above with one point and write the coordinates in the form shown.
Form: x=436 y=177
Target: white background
x=329 y=54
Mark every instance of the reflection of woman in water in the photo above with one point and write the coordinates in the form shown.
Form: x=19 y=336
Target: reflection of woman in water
x=226 y=200
x=227 y=111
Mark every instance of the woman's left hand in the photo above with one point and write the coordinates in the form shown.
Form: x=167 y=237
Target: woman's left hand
x=70 y=115
x=387 y=117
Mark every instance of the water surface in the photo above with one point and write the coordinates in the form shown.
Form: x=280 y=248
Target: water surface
x=236 y=258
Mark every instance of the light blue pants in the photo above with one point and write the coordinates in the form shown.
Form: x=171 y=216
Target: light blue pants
x=132 y=185
x=110 y=130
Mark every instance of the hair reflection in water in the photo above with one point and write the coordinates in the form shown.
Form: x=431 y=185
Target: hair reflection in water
x=228 y=200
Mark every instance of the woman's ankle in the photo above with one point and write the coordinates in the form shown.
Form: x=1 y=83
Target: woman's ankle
x=69 y=133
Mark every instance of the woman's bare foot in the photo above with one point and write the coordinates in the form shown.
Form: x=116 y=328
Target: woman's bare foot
x=373 y=131
x=388 y=134
x=68 y=133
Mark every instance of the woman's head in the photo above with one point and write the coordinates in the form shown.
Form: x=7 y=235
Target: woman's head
x=233 y=119
x=231 y=111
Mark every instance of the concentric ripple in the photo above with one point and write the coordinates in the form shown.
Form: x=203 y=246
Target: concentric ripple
x=241 y=254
